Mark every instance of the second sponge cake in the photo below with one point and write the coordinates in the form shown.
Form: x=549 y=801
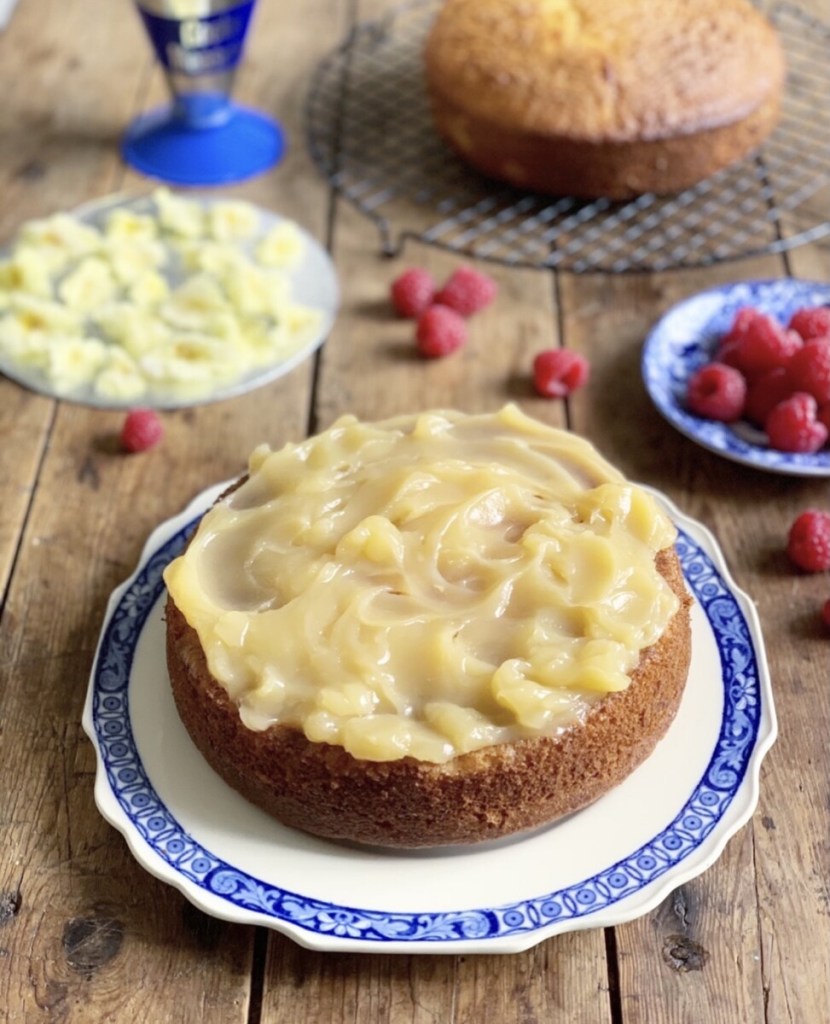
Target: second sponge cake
x=599 y=98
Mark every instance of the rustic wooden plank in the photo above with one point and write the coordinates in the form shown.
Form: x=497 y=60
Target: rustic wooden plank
x=675 y=964
x=370 y=368
x=89 y=934
x=749 y=512
x=81 y=925
x=697 y=956
x=307 y=987
x=69 y=79
x=793 y=842
x=51 y=157
x=24 y=424
x=43 y=167
x=565 y=978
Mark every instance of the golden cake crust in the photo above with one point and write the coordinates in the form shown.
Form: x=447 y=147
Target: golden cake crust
x=489 y=793
x=593 y=97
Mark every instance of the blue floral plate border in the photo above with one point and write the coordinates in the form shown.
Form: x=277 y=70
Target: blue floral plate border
x=685 y=338
x=707 y=812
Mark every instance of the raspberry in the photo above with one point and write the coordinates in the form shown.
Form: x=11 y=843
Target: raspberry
x=717 y=392
x=811 y=322
x=808 y=541
x=764 y=393
x=559 y=371
x=809 y=369
x=440 y=331
x=756 y=343
x=792 y=425
x=823 y=415
x=141 y=430
x=732 y=339
x=740 y=324
x=412 y=292
x=467 y=291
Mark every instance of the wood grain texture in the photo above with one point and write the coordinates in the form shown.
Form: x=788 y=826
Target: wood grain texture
x=85 y=934
x=792 y=825
x=667 y=969
x=90 y=936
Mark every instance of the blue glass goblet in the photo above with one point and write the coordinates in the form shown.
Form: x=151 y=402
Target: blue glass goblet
x=202 y=137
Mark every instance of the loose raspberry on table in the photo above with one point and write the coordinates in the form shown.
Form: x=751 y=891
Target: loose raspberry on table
x=717 y=392
x=559 y=371
x=809 y=369
x=792 y=425
x=467 y=291
x=808 y=541
x=440 y=331
x=756 y=343
x=764 y=393
x=412 y=292
x=811 y=322
x=141 y=430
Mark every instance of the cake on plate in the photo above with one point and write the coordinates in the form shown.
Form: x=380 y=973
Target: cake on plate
x=439 y=628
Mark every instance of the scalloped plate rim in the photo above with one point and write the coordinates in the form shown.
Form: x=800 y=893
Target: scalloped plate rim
x=738 y=812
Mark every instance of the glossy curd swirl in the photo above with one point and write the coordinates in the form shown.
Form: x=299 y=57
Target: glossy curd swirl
x=427 y=585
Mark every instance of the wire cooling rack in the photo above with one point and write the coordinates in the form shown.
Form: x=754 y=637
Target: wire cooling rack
x=370 y=132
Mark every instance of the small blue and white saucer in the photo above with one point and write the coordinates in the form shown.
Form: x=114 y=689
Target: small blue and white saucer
x=686 y=337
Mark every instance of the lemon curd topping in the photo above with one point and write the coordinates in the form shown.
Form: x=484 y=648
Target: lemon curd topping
x=426 y=585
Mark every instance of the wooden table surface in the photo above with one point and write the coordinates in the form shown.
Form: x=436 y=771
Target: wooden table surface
x=85 y=933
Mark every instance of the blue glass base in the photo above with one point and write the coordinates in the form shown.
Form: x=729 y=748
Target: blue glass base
x=203 y=151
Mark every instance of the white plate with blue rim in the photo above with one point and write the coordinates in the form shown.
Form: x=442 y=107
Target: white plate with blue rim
x=602 y=866
x=686 y=337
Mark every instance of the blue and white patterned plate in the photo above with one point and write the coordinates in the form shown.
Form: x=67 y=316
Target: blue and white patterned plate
x=686 y=338
x=605 y=865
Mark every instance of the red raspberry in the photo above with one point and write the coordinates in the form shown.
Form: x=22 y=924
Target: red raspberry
x=811 y=322
x=467 y=291
x=809 y=369
x=141 y=430
x=756 y=343
x=808 y=542
x=559 y=371
x=717 y=392
x=764 y=393
x=740 y=324
x=735 y=336
x=412 y=292
x=792 y=425
x=823 y=415
x=440 y=331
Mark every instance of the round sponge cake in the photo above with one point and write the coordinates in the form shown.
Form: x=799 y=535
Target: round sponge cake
x=481 y=627
x=597 y=98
